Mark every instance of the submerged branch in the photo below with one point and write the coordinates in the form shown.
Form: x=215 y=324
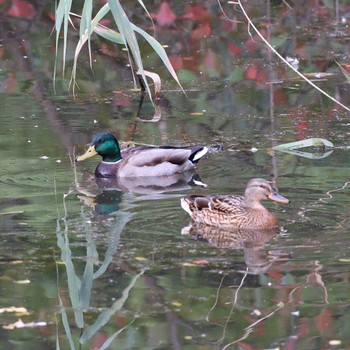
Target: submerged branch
x=251 y=24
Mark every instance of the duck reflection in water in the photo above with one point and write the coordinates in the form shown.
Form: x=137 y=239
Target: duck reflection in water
x=106 y=197
x=252 y=241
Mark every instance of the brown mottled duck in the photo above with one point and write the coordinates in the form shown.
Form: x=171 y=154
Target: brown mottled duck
x=230 y=211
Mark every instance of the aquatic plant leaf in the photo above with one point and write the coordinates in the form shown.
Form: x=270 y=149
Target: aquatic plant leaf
x=85 y=25
x=109 y=34
x=109 y=341
x=145 y=9
x=123 y=218
x=74 y=283
x=128 y=34
x=21 y=324
x=85 y=37
x=313 y=142
x=66 y=326
x=87 y=280
x=293 y=148
x=14 y=309
x=307 y=155
x=156 y=81
x=159 y=49
x=62 y=17
x=105 y=316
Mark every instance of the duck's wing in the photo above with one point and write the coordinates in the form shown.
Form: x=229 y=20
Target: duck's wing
x=152 y=156
x=227 y=204
x=159 y=161
x=222 y=204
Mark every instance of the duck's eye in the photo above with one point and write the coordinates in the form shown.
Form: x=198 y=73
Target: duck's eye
x=262 y=186
x=102 y=140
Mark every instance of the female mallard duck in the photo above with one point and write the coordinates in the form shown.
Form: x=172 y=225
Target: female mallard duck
x=244 y=212
x=141 y=160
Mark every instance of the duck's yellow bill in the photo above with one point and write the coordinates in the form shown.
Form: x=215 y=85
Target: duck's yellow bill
x=278 y=198
x=88 y=154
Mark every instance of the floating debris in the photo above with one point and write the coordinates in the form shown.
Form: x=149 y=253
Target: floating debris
x=22 y=282
x=21 y=324
x=13 y=309
x=318 y=143
x=334 y=342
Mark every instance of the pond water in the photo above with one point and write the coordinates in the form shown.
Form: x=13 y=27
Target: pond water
x=88 y=268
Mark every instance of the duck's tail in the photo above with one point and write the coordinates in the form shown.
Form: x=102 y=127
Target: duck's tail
x=198 y=154
x=185 y=205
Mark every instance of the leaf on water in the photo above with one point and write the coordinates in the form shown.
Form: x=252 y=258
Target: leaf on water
x=22 y=282
x=14 y=309
x=344 y=260
x=200 y=262
x=176 y=304
x=140 y=258
x=293 y=147
x=313 y=142
x=12 y=212
x=334 y=342
x=21 y=324
x=16 y=262
x=186 y=264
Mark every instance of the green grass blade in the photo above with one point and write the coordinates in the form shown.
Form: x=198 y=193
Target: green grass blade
x=109 y=34
x=128 y=34
x=148 y=14
x=66 y=326
x=60 y=20
x=101 y=13
x=67 y=7
x=159 y=49
x=85 y=25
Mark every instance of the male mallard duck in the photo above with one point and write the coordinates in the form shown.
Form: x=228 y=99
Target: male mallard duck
x=141 y=160
x=235 y=211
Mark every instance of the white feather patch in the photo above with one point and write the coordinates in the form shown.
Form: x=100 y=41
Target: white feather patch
x=185 y=206
x=201 y=153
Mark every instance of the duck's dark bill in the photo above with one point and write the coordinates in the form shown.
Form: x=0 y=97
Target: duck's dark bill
x=278 y=198
x=89 y=153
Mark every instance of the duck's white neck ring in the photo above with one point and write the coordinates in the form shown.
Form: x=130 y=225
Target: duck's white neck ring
x=118 y=161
